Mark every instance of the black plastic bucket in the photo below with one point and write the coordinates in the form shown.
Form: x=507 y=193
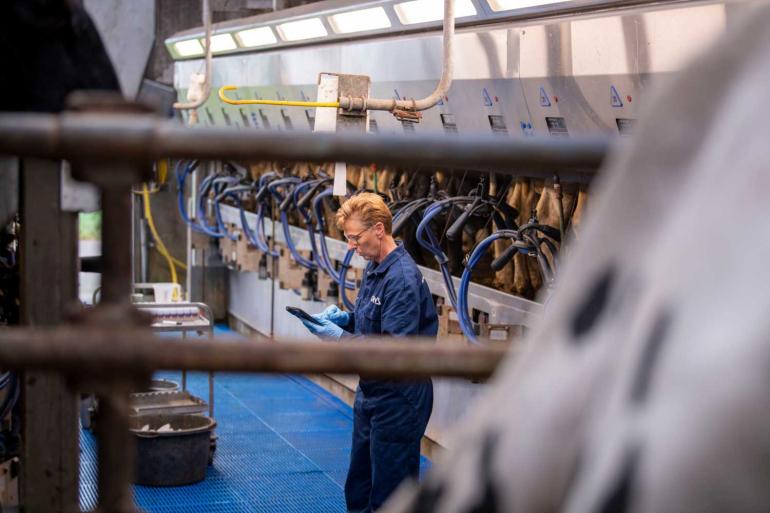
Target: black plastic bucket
x=171 y=458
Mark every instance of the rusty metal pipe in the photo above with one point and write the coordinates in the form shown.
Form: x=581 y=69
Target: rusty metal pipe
x=103 y=352
x=107 y=137
x=116 y=245
x=116 y=453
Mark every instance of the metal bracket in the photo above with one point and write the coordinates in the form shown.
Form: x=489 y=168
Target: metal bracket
x=411 y=116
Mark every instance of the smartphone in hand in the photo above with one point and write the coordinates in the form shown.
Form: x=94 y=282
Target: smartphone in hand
x=300 y=313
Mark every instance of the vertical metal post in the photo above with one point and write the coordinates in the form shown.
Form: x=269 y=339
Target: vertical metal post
x=116 y=244
x=116 y=452
x=191 y=212
x=144 y=255
x=49 y=471
x=134 y=275
x=115 y=443
x=184 y=371
x=273 y=268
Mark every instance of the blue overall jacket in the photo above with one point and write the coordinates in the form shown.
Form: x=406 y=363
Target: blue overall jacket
x=389 y=416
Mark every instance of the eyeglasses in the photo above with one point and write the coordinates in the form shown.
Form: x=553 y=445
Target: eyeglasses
x=354 y=239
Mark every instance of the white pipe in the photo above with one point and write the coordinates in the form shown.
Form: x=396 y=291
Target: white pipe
x=437 y=95
x=206 y=88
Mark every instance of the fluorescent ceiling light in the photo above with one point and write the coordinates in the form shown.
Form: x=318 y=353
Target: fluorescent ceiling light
x=259 y=36
x=507 y=5
x=303 y=29
x=188 y=48
x=221 y=43
x=358 y=21
x=422 y=11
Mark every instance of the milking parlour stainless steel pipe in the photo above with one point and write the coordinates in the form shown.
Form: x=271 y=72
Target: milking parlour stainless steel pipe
x=447 y=72
x=109 y=136
x=206 y=89
x=99 y=351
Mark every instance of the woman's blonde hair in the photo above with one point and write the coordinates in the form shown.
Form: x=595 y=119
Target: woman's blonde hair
x=369 y=208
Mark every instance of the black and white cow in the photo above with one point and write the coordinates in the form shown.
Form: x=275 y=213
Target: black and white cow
x=647 y=386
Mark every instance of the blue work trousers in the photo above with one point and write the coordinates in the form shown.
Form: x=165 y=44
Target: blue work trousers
x=389 y=422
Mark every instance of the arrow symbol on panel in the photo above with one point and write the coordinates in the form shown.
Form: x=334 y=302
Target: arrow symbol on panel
x=544 y=100
x=615 y=97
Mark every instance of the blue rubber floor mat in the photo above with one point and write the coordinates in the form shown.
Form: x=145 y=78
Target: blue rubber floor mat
x=283 y=446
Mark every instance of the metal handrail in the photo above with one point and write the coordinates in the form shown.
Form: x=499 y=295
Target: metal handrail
x=109 y=137
x=103 y=352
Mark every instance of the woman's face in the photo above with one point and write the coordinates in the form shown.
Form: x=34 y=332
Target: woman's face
x=367 y=241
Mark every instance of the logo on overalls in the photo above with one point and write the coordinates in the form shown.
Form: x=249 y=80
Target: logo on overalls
x=376 y=300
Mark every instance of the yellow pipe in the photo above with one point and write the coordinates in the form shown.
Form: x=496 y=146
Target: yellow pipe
x=158 y=242
x=179 y=263
x=162 y=166
x=284 y=103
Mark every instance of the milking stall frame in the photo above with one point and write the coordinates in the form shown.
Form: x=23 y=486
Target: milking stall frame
x=111 y=349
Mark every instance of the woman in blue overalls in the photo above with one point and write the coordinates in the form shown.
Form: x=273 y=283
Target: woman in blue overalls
x=390 y=416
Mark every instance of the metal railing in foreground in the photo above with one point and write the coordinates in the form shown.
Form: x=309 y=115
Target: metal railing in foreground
x=139 y=352
x=112 y=362
x=111 y=351
x=114 y=136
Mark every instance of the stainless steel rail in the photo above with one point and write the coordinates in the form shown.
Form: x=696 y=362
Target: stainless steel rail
x=110 y=137
x=84 y=353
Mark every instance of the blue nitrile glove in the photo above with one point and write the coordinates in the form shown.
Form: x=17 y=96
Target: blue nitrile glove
x=334 y=314
x=327 y=330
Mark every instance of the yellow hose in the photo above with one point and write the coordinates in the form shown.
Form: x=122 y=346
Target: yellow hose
x=172 y=262
x=162 y=168
x=179 y=263
x=283 y=103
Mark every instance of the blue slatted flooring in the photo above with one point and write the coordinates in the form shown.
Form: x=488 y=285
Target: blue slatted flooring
x=283 y=446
